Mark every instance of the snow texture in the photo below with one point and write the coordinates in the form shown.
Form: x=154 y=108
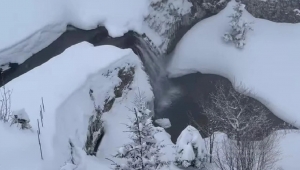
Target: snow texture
x=190 y=148
x=288 y=146
x=164 y=123
x=55 y=86
x=290 y=149
x=21 y=114
x=29 y=26
x=268 y=66
x=163 y=14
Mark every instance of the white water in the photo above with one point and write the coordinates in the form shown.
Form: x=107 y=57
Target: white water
x=155 y=66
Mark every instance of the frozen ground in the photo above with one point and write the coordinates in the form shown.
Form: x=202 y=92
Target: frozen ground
x=268 y=65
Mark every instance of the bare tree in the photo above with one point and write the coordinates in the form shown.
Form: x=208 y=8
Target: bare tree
x=250 y=144
x=5 y=100
x=39 y=133
x=236 y=113
x=248 y=155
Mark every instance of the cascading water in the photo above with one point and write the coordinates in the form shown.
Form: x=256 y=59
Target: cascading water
x=155 y=66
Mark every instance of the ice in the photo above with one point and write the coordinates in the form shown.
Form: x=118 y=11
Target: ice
x=268 y=65
x=164 y=122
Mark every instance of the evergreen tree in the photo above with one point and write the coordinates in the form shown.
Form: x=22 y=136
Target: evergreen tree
x=143 y=153
x=239 y=27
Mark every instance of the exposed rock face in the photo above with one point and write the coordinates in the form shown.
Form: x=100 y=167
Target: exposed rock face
x=274 y=10
x=95 y=129
x=172 y=23
x=200 y=10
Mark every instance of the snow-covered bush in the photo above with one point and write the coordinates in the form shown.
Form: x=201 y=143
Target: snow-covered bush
x=190 y=149
x=297 y=12
x=143 y=153
x=214 y=6
x=239 y=27
x=22 y=118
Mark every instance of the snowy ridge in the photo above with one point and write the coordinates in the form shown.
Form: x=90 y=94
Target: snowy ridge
x=30 y=26
x=55 y=81
x=103 y=87
x=22 y=50
x=268 y=65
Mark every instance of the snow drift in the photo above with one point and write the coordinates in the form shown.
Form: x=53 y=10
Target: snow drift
x=268 y=65
x=55 y=81
x=29 y=26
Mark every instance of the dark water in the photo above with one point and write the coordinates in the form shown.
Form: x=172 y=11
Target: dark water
x=193 y=87
x=196 y=89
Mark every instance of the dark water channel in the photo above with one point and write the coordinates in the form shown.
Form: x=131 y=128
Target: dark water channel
x=193 y=87
x=196 y=89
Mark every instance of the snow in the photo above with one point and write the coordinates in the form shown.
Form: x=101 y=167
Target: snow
x=55 y=81
x=29 y=26
x=268 y=65
x=290 y=149
x=163 y=14
x=19 y=149
x=21 y=114
x=188 y=141
x=164 y=123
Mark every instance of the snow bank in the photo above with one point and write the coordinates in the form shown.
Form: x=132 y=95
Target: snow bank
x=19 y=149
x=268 y=65
x=290 y=149
x=29 y=26
x=55 y=81
x=73 y=115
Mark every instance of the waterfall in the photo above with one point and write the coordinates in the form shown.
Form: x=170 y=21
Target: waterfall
x=155 y=66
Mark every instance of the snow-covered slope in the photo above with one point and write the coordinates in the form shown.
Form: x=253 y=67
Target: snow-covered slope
x=29 y=26
x=55 y=81
x=64 y=82
x=268 y=65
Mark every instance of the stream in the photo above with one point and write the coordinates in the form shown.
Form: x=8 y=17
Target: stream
x=174 y=98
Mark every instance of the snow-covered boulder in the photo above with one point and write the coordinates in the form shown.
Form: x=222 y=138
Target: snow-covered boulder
x=164 y=123
x=22 y=118
x=21 y=114
x=190 y=149
x=268 y=67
